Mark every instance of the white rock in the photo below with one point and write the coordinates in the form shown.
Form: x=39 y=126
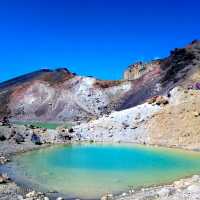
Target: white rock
x=31 y=194
x=195 y=188
x=123 y=194
x=107 y=197
x=179 y=184
x=20 y=197
x=164 y=192
x=196 y=178
x=59 y=198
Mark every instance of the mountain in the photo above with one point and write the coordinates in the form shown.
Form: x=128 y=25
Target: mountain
x=158 y=77
x=59 y=95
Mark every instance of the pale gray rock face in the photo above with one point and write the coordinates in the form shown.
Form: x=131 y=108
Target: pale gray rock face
x=120 y=126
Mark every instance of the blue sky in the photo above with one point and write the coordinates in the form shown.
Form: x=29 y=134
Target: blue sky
x=91 y=37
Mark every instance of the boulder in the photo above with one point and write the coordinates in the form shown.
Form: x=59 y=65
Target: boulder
x=36 y=139
x=71 y=130
x=3 y=160
x=3 y=178
x=59 y=198
x=5 y=121
x=196 y=113
x=35 y=196
x=107 y=197
x=12 y=134
x=65 y=136
x=2 y=137
x=158 y=100
x=31 y=194
x=19 y=138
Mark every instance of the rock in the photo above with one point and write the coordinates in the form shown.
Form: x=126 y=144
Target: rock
x=5 y=121
x=195 y=188
x=152 y=100
x=59 y=198
x=32 y=126
x=20 y=197
x=158 y=100
x=134 y=127
x=2 y=137
x=125 y=126
x=36 y=139
x=3 y=160
x=31 y=194
x=196 y=178
x=179 y=184
x=36 y=196
x=124 y=194
x=164 y=192
x=71 y=130
x=196 y=114
x=12 y=134
x=65 y=136
x=19 y=138
x=3 y=178
x=107 y=197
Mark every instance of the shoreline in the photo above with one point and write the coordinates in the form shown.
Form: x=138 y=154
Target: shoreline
x=122 y=194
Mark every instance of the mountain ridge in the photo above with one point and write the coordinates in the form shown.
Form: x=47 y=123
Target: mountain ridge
x=60 y=95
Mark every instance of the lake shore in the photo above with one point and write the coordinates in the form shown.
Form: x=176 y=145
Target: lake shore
x=188 y=188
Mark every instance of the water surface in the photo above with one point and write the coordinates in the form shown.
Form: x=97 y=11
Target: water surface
x=47 y=125
x=90 y=170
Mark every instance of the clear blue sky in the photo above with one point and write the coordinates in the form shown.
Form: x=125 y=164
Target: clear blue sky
x=91 y=37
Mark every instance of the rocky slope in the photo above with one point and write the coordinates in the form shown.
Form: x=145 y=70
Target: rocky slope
x=182 y=67
x=165 y=121
x=59 y=95
x=177 y=124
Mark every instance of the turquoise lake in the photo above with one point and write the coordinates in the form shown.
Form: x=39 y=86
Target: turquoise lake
x=91 y=170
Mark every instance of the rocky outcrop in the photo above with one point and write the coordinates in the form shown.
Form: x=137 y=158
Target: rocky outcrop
x=158 y=77
x=137 y=70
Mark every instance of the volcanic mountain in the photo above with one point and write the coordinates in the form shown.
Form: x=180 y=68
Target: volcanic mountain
x=59 y=95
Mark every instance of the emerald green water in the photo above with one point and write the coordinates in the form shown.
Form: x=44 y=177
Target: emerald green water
x=91 y=170
x=47 y=125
